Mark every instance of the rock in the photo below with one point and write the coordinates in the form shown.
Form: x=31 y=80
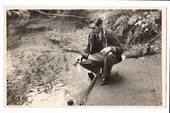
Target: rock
x=70 y=102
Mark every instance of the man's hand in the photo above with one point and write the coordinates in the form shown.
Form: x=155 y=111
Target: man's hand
x=123 y=57
x=106 y=50
x=79 y=59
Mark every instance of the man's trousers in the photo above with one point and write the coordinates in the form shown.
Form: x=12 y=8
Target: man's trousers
x=100 y=61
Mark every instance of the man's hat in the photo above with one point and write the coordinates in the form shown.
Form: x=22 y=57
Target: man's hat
x=97 y=22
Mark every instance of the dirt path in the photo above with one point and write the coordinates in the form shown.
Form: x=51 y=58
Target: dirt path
x=135 y=82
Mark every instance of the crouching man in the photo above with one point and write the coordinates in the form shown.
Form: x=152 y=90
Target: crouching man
x=104 y=60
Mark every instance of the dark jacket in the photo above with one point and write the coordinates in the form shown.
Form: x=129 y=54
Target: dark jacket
x=109 y=38
x=94 y=43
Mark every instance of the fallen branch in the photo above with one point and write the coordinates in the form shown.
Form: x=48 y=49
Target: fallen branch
x=41 y=12
x=71 y=50
x=63 y=15
x=54 y=16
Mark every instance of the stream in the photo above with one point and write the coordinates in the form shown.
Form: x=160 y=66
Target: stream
x=56 y=89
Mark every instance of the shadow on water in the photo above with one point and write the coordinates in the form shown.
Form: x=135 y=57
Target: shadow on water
x=116 y=78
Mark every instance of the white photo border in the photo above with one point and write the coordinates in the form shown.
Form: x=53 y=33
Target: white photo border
x=77 y=4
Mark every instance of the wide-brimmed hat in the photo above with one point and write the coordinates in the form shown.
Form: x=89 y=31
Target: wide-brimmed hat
x=97 y=22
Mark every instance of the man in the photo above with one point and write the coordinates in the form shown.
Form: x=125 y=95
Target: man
x=98 y=39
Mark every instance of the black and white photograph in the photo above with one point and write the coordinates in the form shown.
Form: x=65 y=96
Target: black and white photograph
x=85 y=57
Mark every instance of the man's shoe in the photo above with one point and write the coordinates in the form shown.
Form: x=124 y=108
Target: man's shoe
x=100 y=73
x=91 y=76
x=104 y=81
